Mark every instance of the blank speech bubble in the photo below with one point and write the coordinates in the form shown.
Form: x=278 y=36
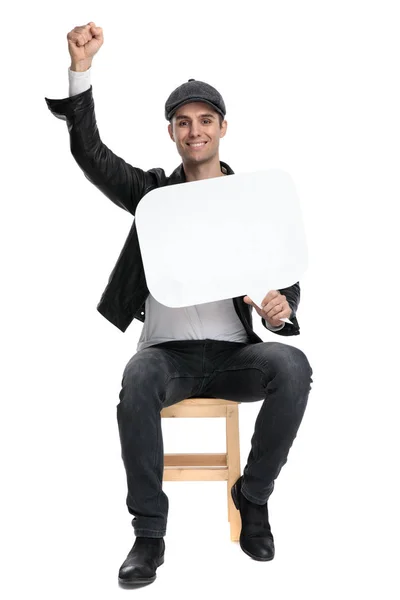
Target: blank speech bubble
x=213 y=239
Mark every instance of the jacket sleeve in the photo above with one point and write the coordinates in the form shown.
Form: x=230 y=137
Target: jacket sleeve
x=119 y=181
x=292 y=294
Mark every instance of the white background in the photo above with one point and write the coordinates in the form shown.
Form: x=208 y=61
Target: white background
x=311 y=88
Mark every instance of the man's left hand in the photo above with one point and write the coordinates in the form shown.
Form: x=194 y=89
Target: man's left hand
x=273 y=308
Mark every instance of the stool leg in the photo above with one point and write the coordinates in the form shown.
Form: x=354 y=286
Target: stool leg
x=233 y=462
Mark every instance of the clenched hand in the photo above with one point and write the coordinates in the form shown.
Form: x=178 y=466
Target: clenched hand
x=84 y=41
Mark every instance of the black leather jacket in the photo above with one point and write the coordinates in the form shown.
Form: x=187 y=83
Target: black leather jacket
x=125 y=294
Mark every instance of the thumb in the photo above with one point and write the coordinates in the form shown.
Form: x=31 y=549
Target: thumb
x=247 y=300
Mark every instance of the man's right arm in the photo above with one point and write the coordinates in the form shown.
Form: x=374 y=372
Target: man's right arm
x=122 y=183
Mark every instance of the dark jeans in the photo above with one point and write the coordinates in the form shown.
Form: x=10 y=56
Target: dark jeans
x=161 y=375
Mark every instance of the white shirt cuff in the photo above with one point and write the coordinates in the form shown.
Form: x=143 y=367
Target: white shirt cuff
x=79 y=81
x=271 y=328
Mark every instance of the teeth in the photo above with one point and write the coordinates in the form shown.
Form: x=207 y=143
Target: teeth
x=201 y=144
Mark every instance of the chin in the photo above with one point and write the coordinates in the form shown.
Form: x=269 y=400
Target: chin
x=196 y=159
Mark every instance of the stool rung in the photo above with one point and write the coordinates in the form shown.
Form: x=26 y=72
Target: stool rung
x=196 y=460
x=195 y=474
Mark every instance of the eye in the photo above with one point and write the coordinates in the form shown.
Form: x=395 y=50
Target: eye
x=183 y=122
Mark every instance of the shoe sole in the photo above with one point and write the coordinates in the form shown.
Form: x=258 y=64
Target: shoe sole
x=139 y=580
x=235 y=498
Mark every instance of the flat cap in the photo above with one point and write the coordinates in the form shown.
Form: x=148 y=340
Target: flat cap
x=194 y=91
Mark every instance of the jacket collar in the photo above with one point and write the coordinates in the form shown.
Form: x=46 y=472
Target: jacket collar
x=178 y=175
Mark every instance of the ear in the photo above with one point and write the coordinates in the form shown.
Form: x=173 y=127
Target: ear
x=170 y=132
x=223 y=129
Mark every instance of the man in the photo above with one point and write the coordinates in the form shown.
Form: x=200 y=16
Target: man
x=204 y=350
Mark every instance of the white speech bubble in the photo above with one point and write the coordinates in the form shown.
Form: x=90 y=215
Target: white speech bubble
x=213 y=239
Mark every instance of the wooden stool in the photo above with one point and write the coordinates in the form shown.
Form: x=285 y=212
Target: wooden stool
x=209 y=467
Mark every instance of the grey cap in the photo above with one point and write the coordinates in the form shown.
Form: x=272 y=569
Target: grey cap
x=194 y=91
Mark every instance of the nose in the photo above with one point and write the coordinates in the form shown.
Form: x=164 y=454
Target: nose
x=195 y=130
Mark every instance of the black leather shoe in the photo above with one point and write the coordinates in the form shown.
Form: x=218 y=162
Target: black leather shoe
x=256 y=538
x=142 y=561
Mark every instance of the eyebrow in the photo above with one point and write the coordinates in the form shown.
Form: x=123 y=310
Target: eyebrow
x=202 y=115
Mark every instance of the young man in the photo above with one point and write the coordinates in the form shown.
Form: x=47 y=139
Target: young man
x=204 y=350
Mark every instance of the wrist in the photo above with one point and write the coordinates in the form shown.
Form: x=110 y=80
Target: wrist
x=81 y=66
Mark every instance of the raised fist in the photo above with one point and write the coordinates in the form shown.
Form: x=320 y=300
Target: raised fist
x=84 y=41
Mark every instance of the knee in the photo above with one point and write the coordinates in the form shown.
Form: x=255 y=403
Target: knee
x=303 y=362
x=143 y=377
x=296 y=366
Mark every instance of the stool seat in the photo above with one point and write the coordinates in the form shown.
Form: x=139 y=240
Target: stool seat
x=205 y=466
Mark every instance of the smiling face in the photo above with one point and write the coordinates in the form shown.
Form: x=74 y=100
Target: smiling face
x=196 y=130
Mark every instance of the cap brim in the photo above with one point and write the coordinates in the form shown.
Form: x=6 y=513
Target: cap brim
x=195 y=99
